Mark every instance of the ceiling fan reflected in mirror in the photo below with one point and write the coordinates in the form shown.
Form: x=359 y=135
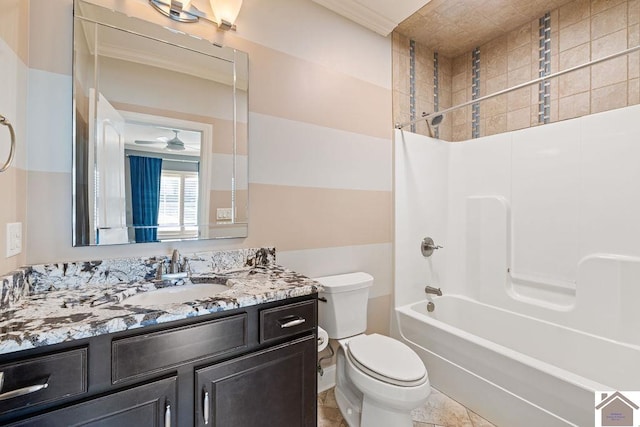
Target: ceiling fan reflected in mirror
x=175 y=143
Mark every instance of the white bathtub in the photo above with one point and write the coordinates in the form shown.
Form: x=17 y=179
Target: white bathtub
x=512 y=369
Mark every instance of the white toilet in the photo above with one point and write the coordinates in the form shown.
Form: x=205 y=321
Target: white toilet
x=379 y=380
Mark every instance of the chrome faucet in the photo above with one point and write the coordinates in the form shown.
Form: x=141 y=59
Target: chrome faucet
x=432 y=290
x=176 y=271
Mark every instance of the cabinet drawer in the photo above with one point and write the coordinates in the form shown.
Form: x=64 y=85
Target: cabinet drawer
x=150 y=353
x=43 y=379
x=149 y=405
x=287 y=320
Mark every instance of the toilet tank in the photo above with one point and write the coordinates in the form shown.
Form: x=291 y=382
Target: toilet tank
x=344 y=314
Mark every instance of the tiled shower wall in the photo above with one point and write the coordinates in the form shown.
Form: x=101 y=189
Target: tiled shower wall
x=581 y=30
x=424 y=83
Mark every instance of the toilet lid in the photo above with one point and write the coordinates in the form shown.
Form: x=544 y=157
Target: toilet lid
x=387 y=359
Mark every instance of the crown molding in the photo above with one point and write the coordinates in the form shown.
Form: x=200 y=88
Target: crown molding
x=361 y=14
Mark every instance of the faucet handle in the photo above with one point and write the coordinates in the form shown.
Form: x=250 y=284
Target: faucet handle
x=160 y=269
x=428 y=246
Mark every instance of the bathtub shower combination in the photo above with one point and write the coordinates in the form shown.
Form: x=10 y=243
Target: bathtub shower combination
x=540 y=270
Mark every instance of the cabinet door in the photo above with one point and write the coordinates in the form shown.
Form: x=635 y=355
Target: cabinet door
x=272 y=387
x=151 y=405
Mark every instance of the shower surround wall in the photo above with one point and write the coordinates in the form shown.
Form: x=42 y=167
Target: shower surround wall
x=320 y=126
x=540 y=223
x=526 y=215
x=581 y=31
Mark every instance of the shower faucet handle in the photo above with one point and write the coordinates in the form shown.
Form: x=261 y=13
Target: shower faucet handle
x=428 y=246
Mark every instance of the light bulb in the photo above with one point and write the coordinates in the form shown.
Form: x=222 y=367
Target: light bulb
x=226 y=11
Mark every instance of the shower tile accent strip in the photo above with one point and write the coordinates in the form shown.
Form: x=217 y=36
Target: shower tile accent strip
x=544 y=69
x=412 y=82
x=64 y=310
x=475 y=93
x=436 y=89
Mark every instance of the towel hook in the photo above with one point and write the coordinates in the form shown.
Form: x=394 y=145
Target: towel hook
x=12 y=151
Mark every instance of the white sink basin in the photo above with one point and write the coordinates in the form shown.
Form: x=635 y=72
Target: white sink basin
x=176 y=294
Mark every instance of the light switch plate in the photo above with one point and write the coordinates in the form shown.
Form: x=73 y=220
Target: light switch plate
x=14 y=238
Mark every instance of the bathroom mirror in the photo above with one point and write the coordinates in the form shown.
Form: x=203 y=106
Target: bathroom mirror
x=160 y=132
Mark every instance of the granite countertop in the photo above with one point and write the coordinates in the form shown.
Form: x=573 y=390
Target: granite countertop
x=57 y=316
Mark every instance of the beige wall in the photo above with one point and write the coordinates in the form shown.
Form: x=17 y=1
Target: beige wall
x=13 y=90
x=581 y=31
x=320 y=129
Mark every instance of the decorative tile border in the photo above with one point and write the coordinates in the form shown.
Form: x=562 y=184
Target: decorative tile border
x=475 y=93
x=412 y=83
x=436 y=89
x=544 y=69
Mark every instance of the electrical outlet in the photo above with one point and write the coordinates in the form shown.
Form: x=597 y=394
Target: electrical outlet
x=14 y=238
x=223 y=214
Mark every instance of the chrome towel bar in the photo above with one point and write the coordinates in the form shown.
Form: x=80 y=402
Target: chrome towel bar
x=12 y=150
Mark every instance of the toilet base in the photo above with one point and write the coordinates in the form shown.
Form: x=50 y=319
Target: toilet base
x=373 y=415
x=348 y=408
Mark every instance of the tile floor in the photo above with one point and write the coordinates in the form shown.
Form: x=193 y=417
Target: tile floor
x=439 y=411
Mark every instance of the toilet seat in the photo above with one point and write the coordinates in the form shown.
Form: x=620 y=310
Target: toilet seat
x=387 y=360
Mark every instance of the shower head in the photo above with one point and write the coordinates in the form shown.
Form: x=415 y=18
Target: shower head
x=436 y=120
x=432 y=122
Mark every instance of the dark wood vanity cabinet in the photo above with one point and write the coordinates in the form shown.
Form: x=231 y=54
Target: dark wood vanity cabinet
x=43 y=379
x=246 y=367
x=269 y=388
x=149 y=405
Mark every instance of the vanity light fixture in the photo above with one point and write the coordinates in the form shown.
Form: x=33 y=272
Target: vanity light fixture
x=225 y=11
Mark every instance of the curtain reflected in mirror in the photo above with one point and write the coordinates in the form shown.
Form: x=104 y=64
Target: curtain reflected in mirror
x=145 y=197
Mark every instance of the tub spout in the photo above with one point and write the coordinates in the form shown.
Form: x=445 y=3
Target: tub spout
x=432 y=290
